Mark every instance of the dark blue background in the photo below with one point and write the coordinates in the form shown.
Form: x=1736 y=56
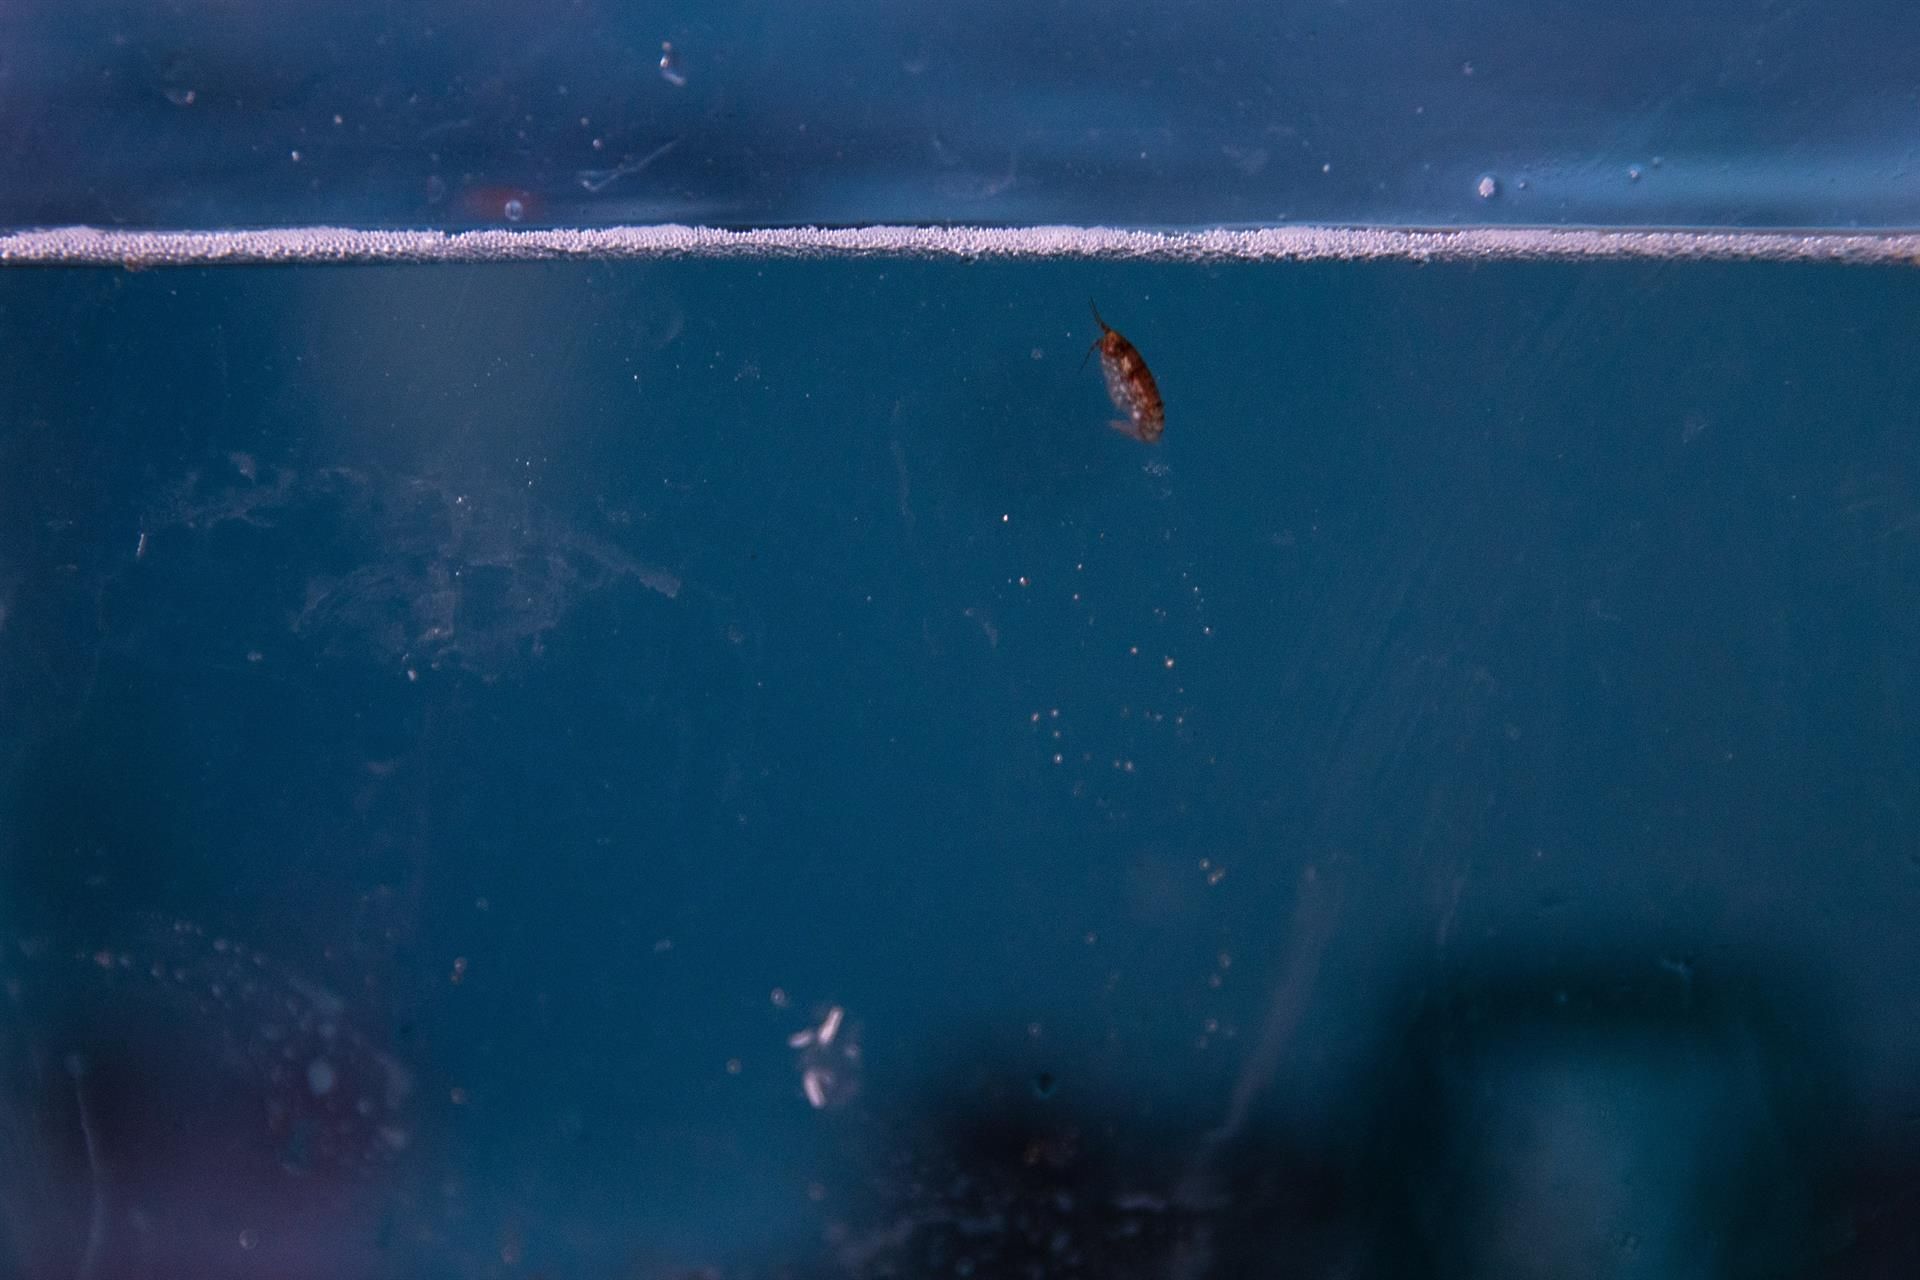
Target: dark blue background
x=493 y=683
x=448 y=113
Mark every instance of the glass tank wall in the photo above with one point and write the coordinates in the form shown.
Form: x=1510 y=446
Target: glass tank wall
x=1639 y=112
x=713 y=758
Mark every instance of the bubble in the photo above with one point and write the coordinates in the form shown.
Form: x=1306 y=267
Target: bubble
x=320 y=1077
x=249 y=1238
x=515 y=210
x=1488 y=187
x=1633 y=173
x=76 y=246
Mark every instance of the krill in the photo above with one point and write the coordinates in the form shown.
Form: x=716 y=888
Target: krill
x=1129 y=384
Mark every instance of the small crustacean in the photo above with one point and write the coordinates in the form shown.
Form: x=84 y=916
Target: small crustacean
x=1129 y=384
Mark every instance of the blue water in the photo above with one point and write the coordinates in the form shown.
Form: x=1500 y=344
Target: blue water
x=471 y=733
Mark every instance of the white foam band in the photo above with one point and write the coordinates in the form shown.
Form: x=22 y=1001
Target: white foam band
x=81 y=246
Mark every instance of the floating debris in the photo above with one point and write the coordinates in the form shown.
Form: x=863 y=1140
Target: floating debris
x=670 y=66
